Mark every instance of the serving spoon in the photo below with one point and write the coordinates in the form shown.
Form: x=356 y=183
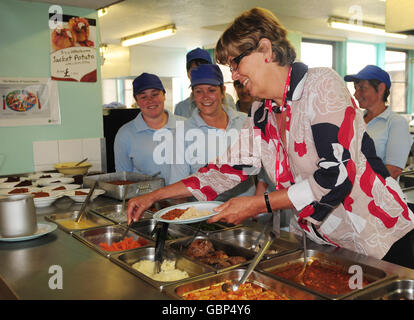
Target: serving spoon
x=123 y=211
x=299 y=277
x=226 y=287
x=80 y=162
x=88 y=197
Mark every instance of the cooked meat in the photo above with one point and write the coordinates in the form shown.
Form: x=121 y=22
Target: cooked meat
x=199 y=248
x=236 y=260
x=24 y=183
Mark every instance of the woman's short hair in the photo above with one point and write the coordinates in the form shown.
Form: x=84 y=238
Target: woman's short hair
x=247 y=30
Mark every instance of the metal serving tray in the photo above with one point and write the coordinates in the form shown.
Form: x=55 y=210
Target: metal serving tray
x=108 y=235
x=373 y=275
x=127 y=259
x=245 y=237
x=175 y=231
x=114 y=213
x=231 y=250
x=399 y=289
x=177 y=291
x=96 y=219
x=144 y=184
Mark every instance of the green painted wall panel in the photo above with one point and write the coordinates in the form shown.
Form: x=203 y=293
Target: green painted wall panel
x=24 y=52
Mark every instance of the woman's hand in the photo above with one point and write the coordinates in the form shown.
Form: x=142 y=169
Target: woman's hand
x=236 y=210
x=137 y=206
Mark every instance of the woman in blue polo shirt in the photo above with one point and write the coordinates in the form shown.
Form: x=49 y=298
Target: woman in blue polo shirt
x=210 y=130
x=389 y=130
x=135 y=146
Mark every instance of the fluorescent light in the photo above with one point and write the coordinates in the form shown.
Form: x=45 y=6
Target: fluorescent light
x=365 y=27
x=149 y=35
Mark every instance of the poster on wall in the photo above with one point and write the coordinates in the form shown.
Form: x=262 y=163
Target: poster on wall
x=72 y=50
x=29 y=101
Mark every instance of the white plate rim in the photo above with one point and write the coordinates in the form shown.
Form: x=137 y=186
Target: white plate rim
x=51 y=227
x=57 y=185
x=158 y=214
x=37 y=175
x=81 y=198
x=5 y=192
x=48 y=181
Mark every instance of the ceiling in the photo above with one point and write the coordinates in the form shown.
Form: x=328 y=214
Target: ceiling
x=200 y=23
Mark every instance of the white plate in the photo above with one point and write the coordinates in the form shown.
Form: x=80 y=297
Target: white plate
x=5 y=192
x=82 y=198
x=39 y=175
x=47 y=201
x=49 y=181
x=57 y=185
x=42 y=229
x=201 y=205
x=8 y=185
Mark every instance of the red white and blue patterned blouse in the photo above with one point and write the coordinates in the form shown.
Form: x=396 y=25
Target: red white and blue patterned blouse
x=342 y=192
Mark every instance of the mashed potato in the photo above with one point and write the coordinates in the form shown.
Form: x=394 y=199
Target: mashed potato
x=168 y=270
x=192 y=213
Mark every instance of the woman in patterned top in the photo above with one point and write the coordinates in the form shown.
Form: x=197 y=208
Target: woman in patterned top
x=310 y=138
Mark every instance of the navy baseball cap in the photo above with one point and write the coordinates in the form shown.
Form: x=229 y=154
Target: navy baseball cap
x=370 y=72
x=146 y=81
x=198 y=53
x=207 y=74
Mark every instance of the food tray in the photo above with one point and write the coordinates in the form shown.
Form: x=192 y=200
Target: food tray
x=107 y=234
x=245 y=237
x=175 y=231
x=231 y=250
x=144 y=184
x=94 y=218
x=398 y=289
x=177 y=291
x=373 y=275
x=127 y=259
x=114 y=213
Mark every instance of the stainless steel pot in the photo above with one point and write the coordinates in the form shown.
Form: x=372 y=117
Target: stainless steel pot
x=17 y=216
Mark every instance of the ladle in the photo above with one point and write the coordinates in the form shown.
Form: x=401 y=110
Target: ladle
x=88 y=197
x=123 y=211
x=299 y=277
x=80 y=162
x=226 y=287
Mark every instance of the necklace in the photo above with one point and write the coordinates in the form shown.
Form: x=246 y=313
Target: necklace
x=278 y=138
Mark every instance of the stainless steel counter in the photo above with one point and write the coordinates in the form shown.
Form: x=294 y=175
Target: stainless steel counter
x=25 y=266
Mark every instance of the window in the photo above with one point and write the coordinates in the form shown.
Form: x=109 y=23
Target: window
x=396 y=66
x=358 y=56
x=317 y=53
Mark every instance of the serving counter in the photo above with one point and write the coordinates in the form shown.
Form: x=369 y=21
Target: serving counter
x=35 y=269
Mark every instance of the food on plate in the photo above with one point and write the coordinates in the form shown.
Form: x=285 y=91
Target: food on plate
x=80 y=193
x=121 y=182
x=59 y=188
x=21 y=100
x=19 y=190
x=73 y=225
x=246 y=291
x=173 y=214
x=80 y=28
x=324 y=278
x=63 y=38
x=24 y=183
x=40 y=194
x=125 y=244
x=203 y=250
x=45 y=176
x=168 y=270
x=185 y=214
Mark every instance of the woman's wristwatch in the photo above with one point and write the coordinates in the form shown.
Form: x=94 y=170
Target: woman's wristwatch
x=269 y=208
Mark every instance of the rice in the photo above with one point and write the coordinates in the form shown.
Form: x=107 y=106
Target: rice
x=168 y=270
x=192 y=213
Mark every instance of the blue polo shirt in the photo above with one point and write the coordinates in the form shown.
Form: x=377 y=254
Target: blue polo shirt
x=136 y=147
x=204 y=143
x=392 y=138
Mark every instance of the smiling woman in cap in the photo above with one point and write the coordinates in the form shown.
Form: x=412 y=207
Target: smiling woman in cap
x=389 y=130
x=213 y=125
x=134 y=143
x=195 y=58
